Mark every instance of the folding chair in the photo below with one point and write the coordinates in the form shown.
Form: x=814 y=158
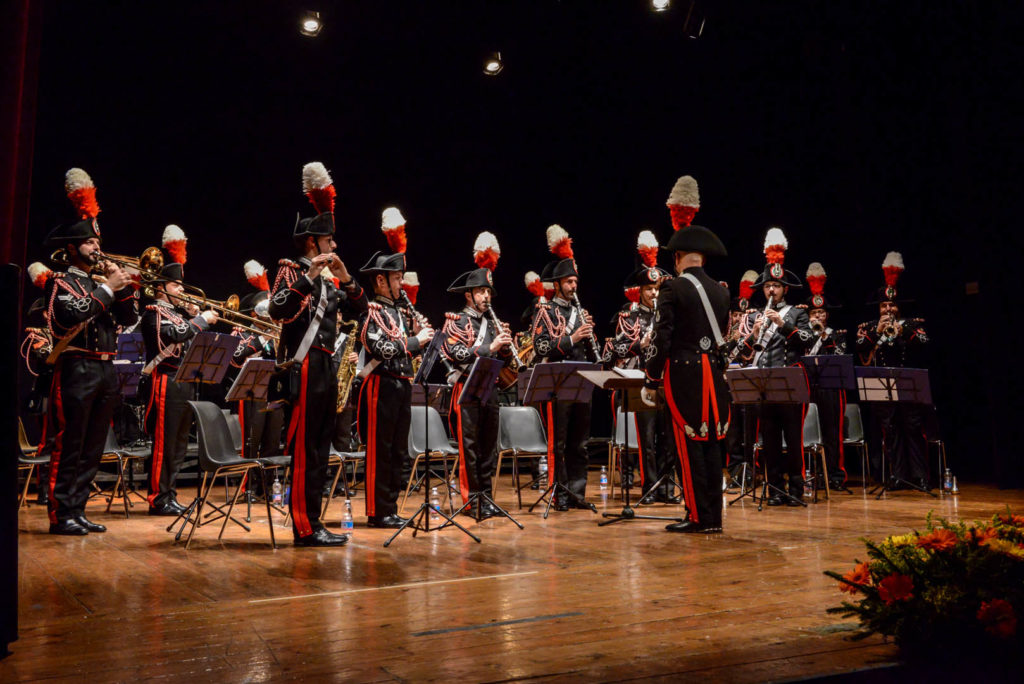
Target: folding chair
x=853 y=428
x=521 y=434
x=814 y=444
x=27 y=462
x=123 y=459
x=438 y=449
x=341 y=460
x=218 y=458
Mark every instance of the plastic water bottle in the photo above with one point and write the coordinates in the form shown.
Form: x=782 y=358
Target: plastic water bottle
x=604 y=478
x=947 y=480
x=287 y=494
x=435 y=505
x=955 y=489
x=276 y=491
x=543 y=470
x=347 y=526
x=808 y=484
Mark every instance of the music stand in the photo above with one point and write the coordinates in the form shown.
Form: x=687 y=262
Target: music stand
x=559 y=382
x=129 y=373
x=207 y=359
x=829 y=373
x=630 y=387
x=761 y=386
x=130 y=347
x=882 y=384
x=522 y=383
x=420 y=520
x=476 y=390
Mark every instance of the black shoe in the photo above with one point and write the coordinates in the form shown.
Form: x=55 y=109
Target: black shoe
x=321 y=537
x=582 y=505
x=794 y=501
x=687 y=526
x=169 y=509
x=89 y=525
x=489 y=510
x=776 y=500
x=42 y=498
x=389 y=522
x=68 y=527
x=561 y=505
x=924 y=484
x=668 y=499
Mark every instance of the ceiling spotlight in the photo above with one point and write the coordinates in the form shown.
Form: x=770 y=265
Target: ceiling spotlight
x=310 y=24
x=493 y=64
x=660 y=5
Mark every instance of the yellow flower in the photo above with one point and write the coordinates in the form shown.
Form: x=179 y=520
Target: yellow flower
x=1004 y=546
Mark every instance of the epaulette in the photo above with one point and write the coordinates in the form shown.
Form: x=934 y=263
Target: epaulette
x=543 y=305
x=624 y=314
x=451 y=316
x=151 y=307
x=374 y=306
x=289 y=264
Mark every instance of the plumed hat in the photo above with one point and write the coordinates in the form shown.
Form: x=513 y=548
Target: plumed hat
x=82 y=193
x=411 y=285
x=683 y=202
x=775 y=246
x=648 y=272
x=560 y=244
x=256 y=275
x=816 y=278
x=892 y=269
x=746 y=291
x=319 y=188
x=486 y=253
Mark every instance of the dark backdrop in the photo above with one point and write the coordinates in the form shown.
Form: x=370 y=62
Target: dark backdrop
x=859 y=127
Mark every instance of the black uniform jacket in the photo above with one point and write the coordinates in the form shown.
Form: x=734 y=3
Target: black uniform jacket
x=629 y=332
x=463 y=341
x=385 y=339
x=790 y=341
x=553 y=324
x=905 y=350
x=687 y=357
x=164 y=325
x=74 y=298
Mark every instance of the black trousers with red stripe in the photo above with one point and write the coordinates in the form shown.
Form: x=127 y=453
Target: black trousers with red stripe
x=571 y=431
x=384 y=417
x=309 y=436
x=82 y=400
x=476 y=427
x=705 y=461
x=171 y=418
x=776 y=420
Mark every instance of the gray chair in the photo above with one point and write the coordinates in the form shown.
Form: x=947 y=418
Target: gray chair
x=521 y=434
x=853 y=436
x=27 y=462
x=218 y=458
x=123 y=458
x=814 y=444
x=426 y=423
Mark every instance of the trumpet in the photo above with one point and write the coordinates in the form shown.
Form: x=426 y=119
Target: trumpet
x=228 y=311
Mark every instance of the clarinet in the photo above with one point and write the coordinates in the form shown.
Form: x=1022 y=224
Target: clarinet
x=595 y=348
x=759 y=344
x=424 y=323
x=498 y=328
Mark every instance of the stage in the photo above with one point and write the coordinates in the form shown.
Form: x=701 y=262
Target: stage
x=561 y=600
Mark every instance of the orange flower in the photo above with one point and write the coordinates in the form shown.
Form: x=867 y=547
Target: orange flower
x=1015 y=520
x=982 y=536
x=999 y=618
x=896 y=587
x=938 y=540
x=859 y=576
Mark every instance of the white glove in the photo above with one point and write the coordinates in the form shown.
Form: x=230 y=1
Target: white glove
x=648 y=396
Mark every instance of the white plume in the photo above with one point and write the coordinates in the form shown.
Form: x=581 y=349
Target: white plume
x=173 y=233
x=391 y=218
x=486 y=240
x=815 y=269
x=646 y=239
x=36 y=269
x=685 y=192
x=253 y=269
x=893 y=259
x=555 y=234
x=76 y=179
x=531 y=277
x=411 y=278
x=315 y=176
x=775 y=237
x=749 y=276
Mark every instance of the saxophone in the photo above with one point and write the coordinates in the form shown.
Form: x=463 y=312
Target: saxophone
x=347 y=369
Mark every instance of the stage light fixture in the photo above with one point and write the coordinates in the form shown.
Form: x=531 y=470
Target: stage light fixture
x=310 y=24
x=493 y=64
x=660 y=5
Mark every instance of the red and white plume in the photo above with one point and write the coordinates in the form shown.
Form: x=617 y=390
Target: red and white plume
x=816 y=278
x=549 y=290
x=38 y=273
x=318 y=186
x=892 y=267
x=633 y=294
x=411 y=285
x=533 y=284
x=175 y=243
x=256 y=275
x=683 y=202
x=747 y=284
x=393 y=224
x=775 y=246
x=82 y=193
x=647 y=247
x=486 y=251
x=559 y=242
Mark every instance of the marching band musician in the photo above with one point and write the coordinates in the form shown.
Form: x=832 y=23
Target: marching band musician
x=259 y=424
x=83 y=319
x=893 y=341
x=167 y=329
x=831 y=403
x=743 y=426
x=469 y=334
x=786 y=337
x=306 y=303
x=632 y=345
x=561 y=333
x=689 y=359
x=385 y=395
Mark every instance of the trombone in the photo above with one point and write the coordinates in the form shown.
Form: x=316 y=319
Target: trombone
x=228 y=312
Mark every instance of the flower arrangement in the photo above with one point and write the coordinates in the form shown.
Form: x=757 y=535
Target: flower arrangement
x=957 y=586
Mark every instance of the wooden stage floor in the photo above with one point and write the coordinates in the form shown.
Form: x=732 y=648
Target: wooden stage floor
x=562 y=600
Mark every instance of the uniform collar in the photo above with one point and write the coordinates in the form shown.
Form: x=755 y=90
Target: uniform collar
x=163 y=303
x=472 y=313
x=305 y=262
x=77 y=271
x=383 y=299
x=559 y=301
x=645 y=309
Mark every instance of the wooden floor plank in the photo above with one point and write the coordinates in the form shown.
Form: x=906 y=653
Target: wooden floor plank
x=561 y=600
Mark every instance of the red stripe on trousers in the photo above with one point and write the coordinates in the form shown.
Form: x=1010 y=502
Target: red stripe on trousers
x=298 y=496
x=371 y=444
x=463 y=472
x=58 y=445
x=679 y=429
x=160 y=400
